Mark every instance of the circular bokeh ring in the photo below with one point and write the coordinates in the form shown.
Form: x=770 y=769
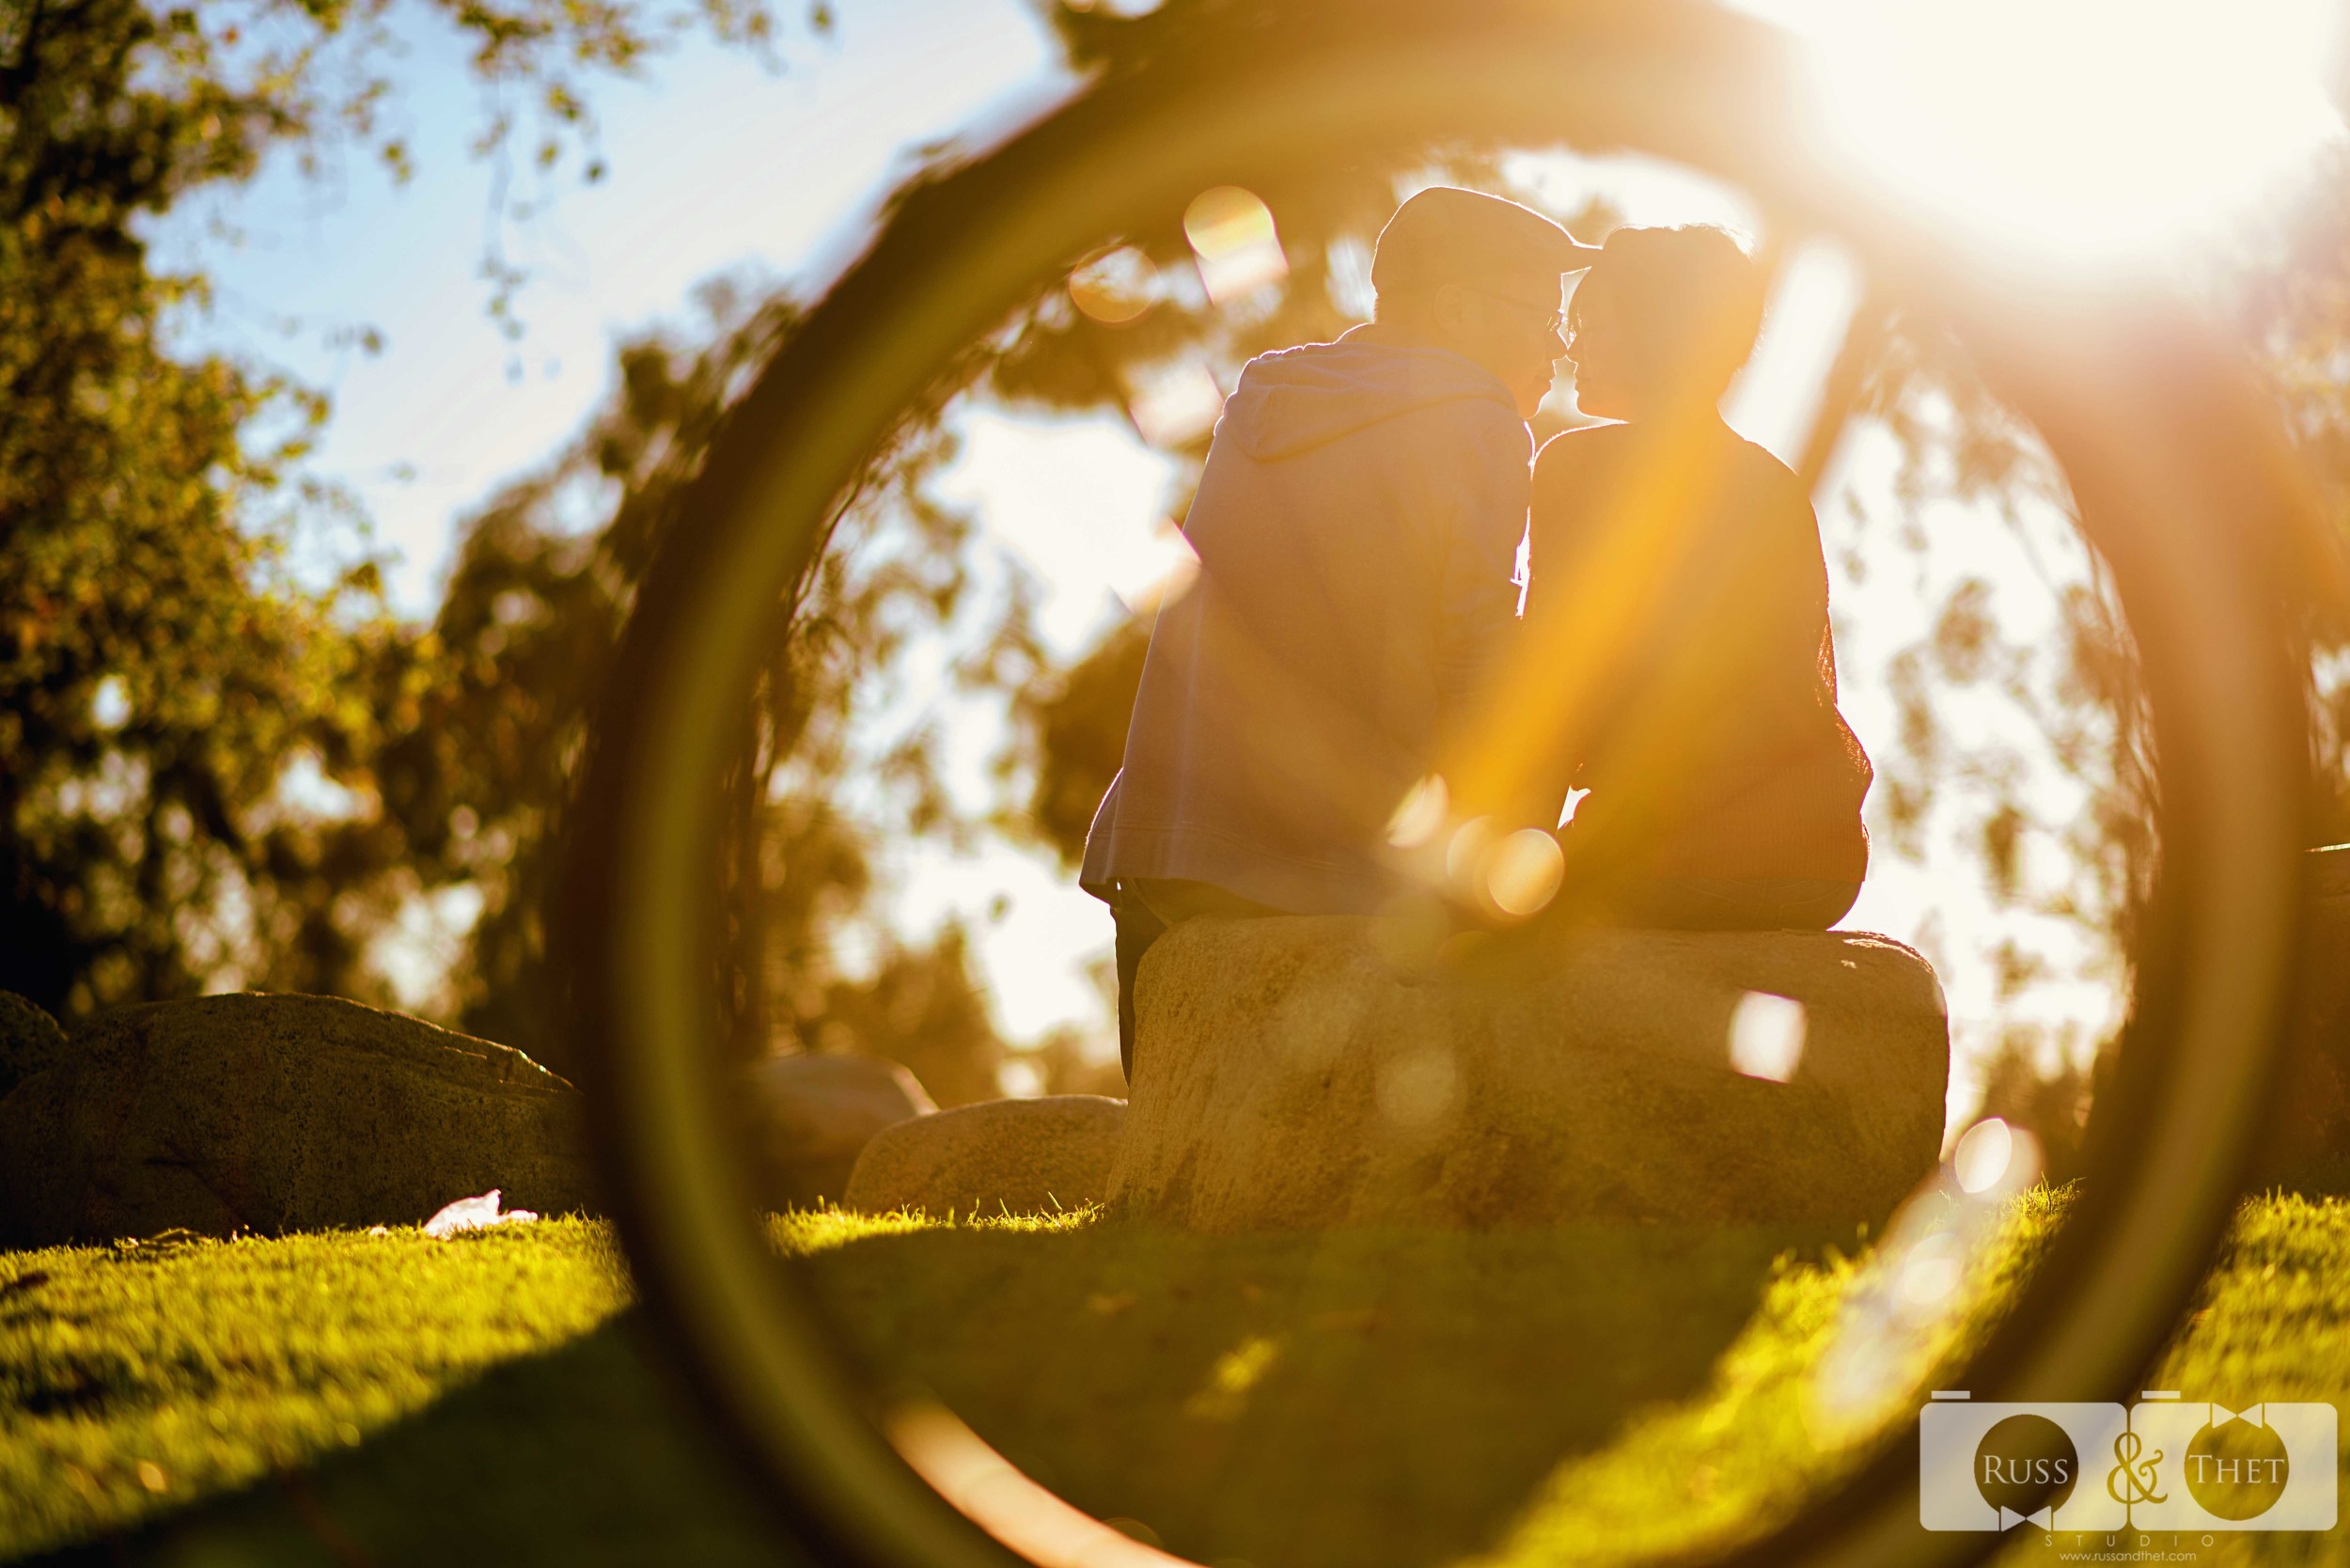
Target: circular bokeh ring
x=2180 y=478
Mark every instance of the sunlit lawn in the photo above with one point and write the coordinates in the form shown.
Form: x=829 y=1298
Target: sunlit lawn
x=1354 y=1398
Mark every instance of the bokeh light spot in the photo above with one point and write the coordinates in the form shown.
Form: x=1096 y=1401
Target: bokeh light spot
x=1173 y=404
x=1766 y=1034
x=1523 y=871
x=1466 y=852
x=1933 y=1270
x=1419 y=816
x=1231 y=234
x=1418 y=1089
x=1116 y=286
x=1984 y=1153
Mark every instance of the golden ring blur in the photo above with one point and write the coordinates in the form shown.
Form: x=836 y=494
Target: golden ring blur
x=2183 y=484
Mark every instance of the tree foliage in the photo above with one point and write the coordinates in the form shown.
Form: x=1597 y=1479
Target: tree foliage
x=476 y=787
x=159 y=666
x=2287 y=297
x=213 y=773
x=186 y=728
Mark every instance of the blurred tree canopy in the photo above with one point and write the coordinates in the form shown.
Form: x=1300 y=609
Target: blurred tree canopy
x=475 y=787
x=2288 y=299
x=213 y=772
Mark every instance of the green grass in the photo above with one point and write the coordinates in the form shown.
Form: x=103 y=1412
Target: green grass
x=1352 y=1397
x=1347 y=1399
x=389 y=1393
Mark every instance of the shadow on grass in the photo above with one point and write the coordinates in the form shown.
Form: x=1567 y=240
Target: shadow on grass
x=1340 y=1399
x=577 y=1456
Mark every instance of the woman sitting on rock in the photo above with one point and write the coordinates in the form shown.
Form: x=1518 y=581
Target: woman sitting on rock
x=1676 y=586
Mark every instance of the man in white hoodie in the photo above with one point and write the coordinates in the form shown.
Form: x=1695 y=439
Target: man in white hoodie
x=1358 y=527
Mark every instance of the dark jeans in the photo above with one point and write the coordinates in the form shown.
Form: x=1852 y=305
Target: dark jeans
x=1138 y=928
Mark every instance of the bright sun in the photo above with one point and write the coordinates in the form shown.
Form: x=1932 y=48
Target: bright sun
x=2090 y=132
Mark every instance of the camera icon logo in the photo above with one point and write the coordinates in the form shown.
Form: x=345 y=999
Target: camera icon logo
x=2273 y=1466
x=2160 y=1464
x=1981 y=1466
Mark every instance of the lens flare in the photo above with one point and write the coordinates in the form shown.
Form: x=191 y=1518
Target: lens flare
x=2094 y=131
x=1766 y=1036
x=1926 y=1272
x=1173 y=404
x=1418 y=1089
x=1231 y=234
x=1116 y=286
x=1419 y=816
x=1983 y=1153
x=994 y=1495
x=1523 y=871
x=1933 y=1270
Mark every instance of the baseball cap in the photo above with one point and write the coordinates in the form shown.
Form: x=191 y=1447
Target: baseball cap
x=1445 y=234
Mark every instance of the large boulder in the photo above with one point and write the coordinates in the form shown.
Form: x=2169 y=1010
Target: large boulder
x=1304 y=1072
x=30 y=1041
x=996 y=1157
x=811 y=1115
x=277 y=1113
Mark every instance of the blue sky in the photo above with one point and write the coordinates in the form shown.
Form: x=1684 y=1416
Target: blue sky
x=719 y=165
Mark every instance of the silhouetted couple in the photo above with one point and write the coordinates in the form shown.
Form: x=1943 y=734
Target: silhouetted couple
x=1359 y=629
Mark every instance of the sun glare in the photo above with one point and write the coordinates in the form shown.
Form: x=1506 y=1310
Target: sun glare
x=2089 y=131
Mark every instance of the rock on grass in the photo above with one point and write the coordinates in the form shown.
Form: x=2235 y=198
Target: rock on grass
x=277 y=1113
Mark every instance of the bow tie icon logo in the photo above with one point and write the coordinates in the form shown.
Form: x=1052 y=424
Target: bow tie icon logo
x=2163 y=1464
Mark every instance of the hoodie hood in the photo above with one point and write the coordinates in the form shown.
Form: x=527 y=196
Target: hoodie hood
x=1300 y=399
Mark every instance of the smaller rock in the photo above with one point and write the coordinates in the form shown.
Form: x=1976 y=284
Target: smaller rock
x=811 y=1115
x=30 y=1041
x=1000 y=1156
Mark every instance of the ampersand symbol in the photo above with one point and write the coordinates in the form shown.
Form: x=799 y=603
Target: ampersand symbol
x=2123 y=1482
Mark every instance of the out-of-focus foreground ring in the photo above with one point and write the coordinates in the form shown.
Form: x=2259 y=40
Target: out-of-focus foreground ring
x=2182 y=478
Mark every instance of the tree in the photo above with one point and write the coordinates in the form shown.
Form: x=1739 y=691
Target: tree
x=2287 y=298
x=175 y=707
x=475 y=786
x=160 y=670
